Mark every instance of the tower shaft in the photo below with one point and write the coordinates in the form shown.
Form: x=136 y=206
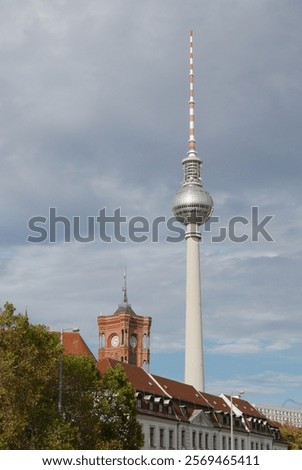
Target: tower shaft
x=194 y=362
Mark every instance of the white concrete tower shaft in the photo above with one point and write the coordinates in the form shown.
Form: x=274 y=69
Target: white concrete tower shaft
x=192 y=207
x=194 y=359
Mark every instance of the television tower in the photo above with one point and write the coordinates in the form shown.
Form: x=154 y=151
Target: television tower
x=192 y=207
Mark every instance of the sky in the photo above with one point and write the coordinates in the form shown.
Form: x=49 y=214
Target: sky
x=94 y=117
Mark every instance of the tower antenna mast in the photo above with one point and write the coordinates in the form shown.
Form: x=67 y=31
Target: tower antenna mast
x=192 y=141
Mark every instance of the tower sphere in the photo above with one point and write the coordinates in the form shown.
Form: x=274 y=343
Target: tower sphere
x=192 y=204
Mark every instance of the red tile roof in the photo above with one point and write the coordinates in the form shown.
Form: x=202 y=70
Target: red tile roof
x=246 y=408
x=181 y=391
x=217 y=403
x=141 y=381
x=74 y=344
x=182 y=395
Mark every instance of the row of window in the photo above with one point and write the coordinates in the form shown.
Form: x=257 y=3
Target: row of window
x=199 y=440
x=162 y=438
x=154 y=404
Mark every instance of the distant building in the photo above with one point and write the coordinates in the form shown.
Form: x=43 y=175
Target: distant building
x=282 y=415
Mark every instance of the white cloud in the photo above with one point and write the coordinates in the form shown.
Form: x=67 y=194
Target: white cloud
x=244 y=346
x=267 y=385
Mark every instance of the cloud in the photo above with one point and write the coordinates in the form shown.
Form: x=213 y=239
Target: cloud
x=267 y=385
x=244 y=346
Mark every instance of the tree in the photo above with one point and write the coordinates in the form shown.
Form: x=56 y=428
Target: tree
x=116 y=409
x=98 y=411
x=292 y=435
x=102 y=408
x=28 y=370
x=79 y=387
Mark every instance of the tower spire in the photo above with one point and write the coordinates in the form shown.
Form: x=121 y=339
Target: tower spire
x=192 y=141
x=124 y=289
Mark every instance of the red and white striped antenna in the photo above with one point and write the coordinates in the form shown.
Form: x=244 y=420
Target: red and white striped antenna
x=192 y=141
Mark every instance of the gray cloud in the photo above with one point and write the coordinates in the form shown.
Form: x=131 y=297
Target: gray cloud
x=94 y=114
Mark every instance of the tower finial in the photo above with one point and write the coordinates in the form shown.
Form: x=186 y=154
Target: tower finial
x=124 y=290
x=124 y=303
x=192 y=141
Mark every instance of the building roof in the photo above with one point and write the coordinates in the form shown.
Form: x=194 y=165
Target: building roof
x=181 y=391
x=217 y=403
x=184 y=398
x=74 y=344
x=141 y=381
x=124 y=308
x=246 y=408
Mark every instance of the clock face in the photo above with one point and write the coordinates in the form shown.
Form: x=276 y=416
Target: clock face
x=115 y=341
x=133 y=341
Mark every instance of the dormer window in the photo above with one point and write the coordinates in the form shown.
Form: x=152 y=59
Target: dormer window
x=159 y=400
x=184 y=409
x=150 y=400
x=138 y=397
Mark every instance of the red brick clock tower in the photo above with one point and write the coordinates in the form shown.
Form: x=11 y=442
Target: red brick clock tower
x=125 y=336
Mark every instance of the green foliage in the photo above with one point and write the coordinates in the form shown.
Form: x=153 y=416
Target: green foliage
x=293 y=436
x=101 y=408
x=28 y=369
x=79 y=387
x=98 y=412
x=116 y=406
x=61 y=435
